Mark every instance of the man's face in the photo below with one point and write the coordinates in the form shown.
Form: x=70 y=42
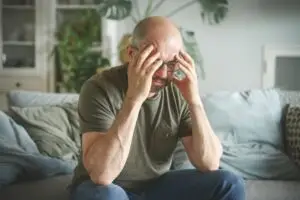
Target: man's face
x=164 y=74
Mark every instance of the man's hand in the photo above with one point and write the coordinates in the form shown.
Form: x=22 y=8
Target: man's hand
x=140 y=72
x=189 y=85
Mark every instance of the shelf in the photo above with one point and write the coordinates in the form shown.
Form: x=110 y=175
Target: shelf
x=19 y=43
x=19 y=7
x=21 y=72
x=16 y=68
x=76 y=7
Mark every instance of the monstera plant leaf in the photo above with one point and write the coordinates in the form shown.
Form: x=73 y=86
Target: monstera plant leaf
x=114 y=9
x=214 y=11
x=192 y=48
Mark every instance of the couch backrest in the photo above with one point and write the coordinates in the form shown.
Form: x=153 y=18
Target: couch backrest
x=289 y=97
x=21 y=98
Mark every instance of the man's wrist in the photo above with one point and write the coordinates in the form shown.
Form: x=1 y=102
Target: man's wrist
x=195 y=104
x=131 y=102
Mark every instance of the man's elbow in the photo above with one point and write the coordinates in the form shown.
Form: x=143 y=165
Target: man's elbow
x=208 y=164
x=98 y=176
x=214 y=164
x=101 y=180
x=208 y=167
x=101 y=177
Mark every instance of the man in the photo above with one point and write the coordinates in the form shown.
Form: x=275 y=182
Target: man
x=132 y=118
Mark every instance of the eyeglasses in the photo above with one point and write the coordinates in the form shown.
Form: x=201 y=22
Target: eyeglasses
x=172 y=68
x=171 y=65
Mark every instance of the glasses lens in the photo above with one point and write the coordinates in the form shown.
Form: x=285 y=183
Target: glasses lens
x=172 y=66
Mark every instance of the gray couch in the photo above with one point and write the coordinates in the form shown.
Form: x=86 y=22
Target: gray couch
x=274 y=188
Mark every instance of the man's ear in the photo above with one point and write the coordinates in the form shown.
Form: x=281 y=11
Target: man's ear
x=130 y=51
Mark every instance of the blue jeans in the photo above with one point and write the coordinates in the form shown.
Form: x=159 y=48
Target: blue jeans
x=174 y=185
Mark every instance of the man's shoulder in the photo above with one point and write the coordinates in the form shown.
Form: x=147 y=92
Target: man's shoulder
x=109 y=78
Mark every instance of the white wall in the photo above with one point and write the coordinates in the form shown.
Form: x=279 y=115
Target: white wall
x=233 y=50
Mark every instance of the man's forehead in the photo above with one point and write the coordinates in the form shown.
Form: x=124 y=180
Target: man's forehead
x=167 y=49
x=161 y=41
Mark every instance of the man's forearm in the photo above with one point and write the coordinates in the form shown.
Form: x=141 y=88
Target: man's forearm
x=207 y=148
x=110 y=152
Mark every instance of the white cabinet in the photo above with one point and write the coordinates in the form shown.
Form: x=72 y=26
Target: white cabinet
x=22 y=37
x=27 y=29
x=22 y=46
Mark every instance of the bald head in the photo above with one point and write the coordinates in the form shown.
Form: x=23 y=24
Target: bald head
x=159 y=31
x=154 y=28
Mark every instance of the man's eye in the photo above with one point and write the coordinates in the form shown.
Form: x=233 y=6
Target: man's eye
x=172 y=63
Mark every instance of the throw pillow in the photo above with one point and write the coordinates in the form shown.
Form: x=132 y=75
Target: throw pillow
x=292 y=132
x=20 y=159
x=54 y=128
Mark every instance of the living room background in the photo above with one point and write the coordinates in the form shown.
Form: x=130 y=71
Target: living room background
x=233 y=50
x=40 y=134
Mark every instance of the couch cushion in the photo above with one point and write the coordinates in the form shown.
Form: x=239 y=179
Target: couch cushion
x=48 y=189
x=292 y=132
x=248 y=116
x=53 y=128
x=272 y=190
x=23 y=98
x=14 y=136
x=249 y=126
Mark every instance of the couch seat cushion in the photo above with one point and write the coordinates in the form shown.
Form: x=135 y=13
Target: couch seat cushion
x=49 y=189
x=272 y=190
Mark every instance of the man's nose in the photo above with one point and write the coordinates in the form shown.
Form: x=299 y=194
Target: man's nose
x=162 y=71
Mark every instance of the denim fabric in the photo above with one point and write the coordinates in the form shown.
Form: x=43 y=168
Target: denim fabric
x=174 y=185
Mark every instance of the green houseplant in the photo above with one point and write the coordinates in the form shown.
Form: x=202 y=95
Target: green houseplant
x=211 y=11
x=74 y=59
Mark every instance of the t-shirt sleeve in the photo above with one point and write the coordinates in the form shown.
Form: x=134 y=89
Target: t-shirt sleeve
x=185 y=125
x=94 y=109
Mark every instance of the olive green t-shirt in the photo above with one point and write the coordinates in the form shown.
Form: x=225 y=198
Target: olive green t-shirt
x=161 y=122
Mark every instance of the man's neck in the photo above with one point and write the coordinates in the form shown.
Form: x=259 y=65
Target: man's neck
x=152 y=95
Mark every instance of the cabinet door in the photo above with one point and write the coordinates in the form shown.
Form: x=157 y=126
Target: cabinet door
x=18 y=36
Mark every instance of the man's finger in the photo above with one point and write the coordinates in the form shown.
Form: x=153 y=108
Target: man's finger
x=144 y=54
x=183 y=62
x=186 y=57
x=185 y=70
x=151 y=70
x=151 y=60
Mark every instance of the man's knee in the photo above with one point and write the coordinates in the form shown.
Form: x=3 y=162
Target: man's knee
x=230 y=180
x=91 y=191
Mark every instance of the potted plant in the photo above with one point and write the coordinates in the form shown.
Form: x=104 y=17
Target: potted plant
x=212 y=11
x=74 y=59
